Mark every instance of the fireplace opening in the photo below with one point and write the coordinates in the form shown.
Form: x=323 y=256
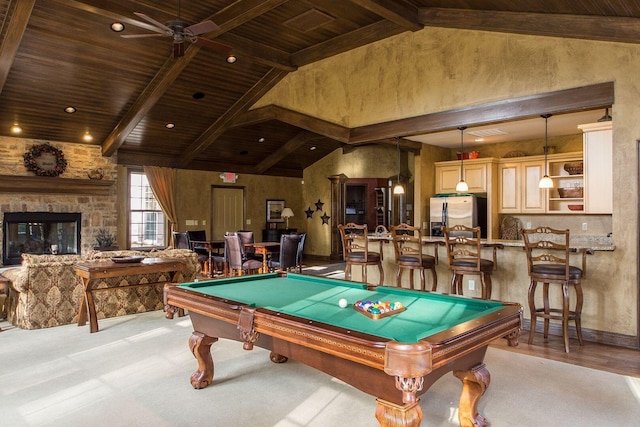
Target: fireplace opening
x=39 y=233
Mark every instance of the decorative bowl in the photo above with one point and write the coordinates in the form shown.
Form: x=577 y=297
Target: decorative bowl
x=575 y=207
x=574 y=168
x=570 y=193
x=468 y=155
x=127 y=259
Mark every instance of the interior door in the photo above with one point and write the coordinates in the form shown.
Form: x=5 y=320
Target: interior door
x=227 y=210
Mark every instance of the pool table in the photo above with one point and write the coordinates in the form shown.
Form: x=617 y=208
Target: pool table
x=395 y=358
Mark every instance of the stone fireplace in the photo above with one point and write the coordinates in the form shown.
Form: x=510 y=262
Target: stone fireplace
x=39 y=233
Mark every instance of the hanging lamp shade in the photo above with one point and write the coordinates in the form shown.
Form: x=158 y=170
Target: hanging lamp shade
x=462 y=185
x=398 y=188
x=546 y=182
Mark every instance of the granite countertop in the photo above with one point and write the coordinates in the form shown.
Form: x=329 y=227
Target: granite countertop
x=596 y=243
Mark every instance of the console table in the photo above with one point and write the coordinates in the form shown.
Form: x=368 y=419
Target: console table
x=90 y=271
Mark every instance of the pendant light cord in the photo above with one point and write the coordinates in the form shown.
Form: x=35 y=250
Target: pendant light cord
x=546 y=142
x=461 y=129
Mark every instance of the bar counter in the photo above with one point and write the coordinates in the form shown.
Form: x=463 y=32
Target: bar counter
x=511 y=281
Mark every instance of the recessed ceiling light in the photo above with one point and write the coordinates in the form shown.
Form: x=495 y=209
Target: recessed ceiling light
x=261 y=140
x=313 y=147
x=117 y=27
x=70 y=109
x=87 y=137
x=16 y=129
x=198 y=95
x=170 y=125
x=232 y=59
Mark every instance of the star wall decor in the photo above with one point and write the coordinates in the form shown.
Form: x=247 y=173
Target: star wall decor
x=325 y=218
x=309 y=213
x=319 y=205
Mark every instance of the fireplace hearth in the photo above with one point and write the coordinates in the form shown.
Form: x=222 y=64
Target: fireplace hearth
x=39 y=233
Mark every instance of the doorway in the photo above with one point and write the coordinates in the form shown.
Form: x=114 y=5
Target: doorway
x=227 y=210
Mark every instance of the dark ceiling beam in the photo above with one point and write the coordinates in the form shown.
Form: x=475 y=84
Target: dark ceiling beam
x=208 y=137
x=287 y=149
x=360 y=37
x=151 y=94
x=401 y=15
x=558 y=102
x=294 y=118
x=616 y=29
x=11 y=41
x=405 y=144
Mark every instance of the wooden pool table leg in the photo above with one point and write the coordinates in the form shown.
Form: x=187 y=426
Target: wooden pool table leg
x=200 y=345
x=391 y=415
x=474 y=383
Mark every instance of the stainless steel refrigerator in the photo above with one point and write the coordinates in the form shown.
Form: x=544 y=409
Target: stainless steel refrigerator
x=470 y=211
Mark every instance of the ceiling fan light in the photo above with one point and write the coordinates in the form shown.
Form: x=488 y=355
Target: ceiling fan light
x=462 y=186
x=117 y=27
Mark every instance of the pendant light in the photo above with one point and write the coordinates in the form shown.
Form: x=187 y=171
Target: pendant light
x=462 y=185
x=398 y=188
x=546 y=182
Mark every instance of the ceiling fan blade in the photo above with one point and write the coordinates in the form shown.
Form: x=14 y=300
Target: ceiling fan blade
x=201 y=28
x=213 y=45
x=161 y=27
x=137 y=36
x=178 y=50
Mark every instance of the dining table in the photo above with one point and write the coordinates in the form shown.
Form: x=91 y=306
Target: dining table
x=265 y=249
x=213 y=247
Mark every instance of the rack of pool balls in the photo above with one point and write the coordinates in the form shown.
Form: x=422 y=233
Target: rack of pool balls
x=378 y=309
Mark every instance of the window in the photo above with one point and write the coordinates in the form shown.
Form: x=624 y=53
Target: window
x=147 y=222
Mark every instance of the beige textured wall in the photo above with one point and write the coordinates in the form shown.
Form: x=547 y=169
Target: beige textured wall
x=194 y=199
x=440 y=69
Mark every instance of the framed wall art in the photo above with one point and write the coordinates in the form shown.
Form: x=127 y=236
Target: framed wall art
x=274 y=210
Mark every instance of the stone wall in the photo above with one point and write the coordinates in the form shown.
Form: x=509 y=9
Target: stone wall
x=97 y=211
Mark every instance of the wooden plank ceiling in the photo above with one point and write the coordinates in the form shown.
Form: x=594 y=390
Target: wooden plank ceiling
x=60 y=53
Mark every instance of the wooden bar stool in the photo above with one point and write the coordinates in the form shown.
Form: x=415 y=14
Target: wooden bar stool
x=548 y=262
x=407 y=244
x=465 y=257
x=355 y=250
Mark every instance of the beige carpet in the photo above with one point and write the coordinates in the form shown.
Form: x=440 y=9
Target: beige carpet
x=135 y=372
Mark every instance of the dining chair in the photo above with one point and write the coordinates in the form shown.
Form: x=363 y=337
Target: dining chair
x=236 y=265
x=289 y=244
x=355 y=250
x=548 y=262
x=247 y=238
x=303 y=238
x=180 y=240
x=408 y=248
x=203 y=253
x=465 y=257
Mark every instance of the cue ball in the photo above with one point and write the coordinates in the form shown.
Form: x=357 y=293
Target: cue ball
x=342 y=303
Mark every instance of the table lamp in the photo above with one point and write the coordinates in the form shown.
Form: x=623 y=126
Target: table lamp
x=286 y=214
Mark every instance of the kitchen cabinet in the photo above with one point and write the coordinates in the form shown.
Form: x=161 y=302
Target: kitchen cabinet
x=518 y=190
x=598 y=166
x=478 y=173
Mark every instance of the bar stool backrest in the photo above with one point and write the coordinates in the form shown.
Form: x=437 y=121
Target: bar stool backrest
x=547 y=251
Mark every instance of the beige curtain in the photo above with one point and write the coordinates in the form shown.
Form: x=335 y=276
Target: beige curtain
x=163 y=184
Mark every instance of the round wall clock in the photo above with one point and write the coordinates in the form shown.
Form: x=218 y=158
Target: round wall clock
x=45 y=160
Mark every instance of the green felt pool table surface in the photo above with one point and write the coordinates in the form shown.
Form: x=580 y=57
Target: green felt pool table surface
x=316 y=299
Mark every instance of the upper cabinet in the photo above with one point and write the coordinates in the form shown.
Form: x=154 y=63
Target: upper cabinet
x=518 y=190
x=478 y=173
x=598 y=164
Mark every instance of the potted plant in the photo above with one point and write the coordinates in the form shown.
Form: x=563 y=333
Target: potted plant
x=105 y=240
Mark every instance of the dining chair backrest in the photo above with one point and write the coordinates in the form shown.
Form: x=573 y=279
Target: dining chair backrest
x=247 y=238
x=289 y=244
x=233 y=251
x=181 y=240
x=303 y=238
x=196 y=236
